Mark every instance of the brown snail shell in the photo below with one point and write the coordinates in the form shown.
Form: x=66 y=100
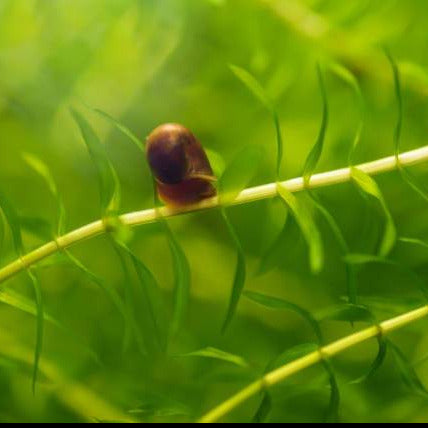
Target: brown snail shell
x=180 y=165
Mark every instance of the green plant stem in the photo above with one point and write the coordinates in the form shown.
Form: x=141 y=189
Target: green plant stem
x=300 y=364
x=246 y=196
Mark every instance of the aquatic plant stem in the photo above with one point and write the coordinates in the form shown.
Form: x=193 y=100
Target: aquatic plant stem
x=252 y=194
x=311 y=359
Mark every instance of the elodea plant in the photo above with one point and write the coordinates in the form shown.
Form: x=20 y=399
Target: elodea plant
x=152 y=321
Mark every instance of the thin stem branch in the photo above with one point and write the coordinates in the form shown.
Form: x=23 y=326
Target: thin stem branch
x=311 y=359
x=246 y=196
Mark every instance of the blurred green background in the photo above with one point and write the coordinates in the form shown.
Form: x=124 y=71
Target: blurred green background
x=146 y=62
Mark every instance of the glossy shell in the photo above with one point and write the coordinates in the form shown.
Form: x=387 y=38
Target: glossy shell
x=179 y=164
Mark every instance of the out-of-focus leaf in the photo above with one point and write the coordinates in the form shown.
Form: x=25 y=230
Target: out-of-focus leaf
x=98 y=281
x=151 y=308
x=316 y=151
x=217 y=354
x=361 y=259
x=276 y=303
x=182 y=281
x=18 y=301
x=344 y=74
x=43 y=171
x=346 y=312
x=217 y=162
x=264 y=409
x=36 y=226
x=240 y=273
x=238 y=174
x=377 y=362
x=308 y=227
x=407 y=176
x=156 y=405
x=259 y=92
x=40 y=325
x=369 y=186
x=332 y=413
x=13 y=221
x=414 y=73
x=407 y=371
x=122 y=128
x=253 y=85
x=108 y=180
x=414 y=241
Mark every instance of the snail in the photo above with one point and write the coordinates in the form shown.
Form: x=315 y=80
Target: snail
x=180 y=166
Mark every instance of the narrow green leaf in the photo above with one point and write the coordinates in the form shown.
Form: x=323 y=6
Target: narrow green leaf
x=43 y=171
x=414 y=241
x=332 y=413
x=307 y=226
x=253 y=85
x=2 y=233
x=259 y=92
x=18 y=301
x=315 y=153
x=407 y=371
x=414 y=73
x=346 y=312
x=276 y=303
x=98 y=281
x=108 y=179
x=217 y=354
x=264 y=409
x=40 y=326
x=13 y=221
x=240 y=273
x=38 y=227
x=182 y=281
x=361 y=259
x=122 y=128
x=344 y=74
x=217 y=162
x=377 y=362
x=239 y=173
x=369 y=186
x=152 y=306
x=407 y=176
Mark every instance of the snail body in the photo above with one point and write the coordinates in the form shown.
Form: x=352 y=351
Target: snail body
x=179 y=165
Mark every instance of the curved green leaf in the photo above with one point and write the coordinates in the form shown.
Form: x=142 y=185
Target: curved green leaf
x=13 y=221
x=315 y=153
x=217 y=354
x=240 y=273
x=276 y=303
x=238 y=174
x=43 y=171
x=369 y=186
x=308 y=227
x=259 y=92
x=407 y=176
x=108 y=180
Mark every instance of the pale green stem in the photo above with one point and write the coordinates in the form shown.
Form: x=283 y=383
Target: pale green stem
x=248 y=195
x=302 y=363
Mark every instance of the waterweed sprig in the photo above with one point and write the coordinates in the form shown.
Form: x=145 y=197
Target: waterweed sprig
x=323 y=354
x=252 y=194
